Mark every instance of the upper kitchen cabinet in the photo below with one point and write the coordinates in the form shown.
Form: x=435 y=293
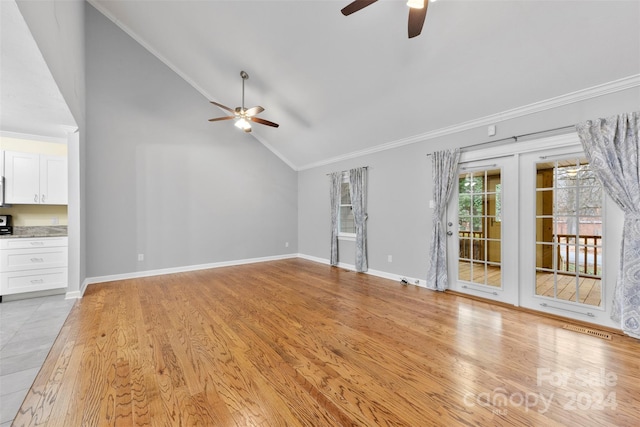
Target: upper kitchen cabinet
x=54 y=188
x=35 y=178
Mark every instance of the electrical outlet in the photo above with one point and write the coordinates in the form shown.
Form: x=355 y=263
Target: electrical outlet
x=286 y=244
x=55 y=220
x=140 y=257
x=389 y=258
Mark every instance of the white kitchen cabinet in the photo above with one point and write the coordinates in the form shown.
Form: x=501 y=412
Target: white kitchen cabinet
x=35 y=179
x=22 y=177
x=33 y=264
x=53 y=180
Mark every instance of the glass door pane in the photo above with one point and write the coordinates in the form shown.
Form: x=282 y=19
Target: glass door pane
x=479 y=207
x=568 y=245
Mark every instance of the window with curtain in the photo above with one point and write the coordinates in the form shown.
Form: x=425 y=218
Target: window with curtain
x=347 y=226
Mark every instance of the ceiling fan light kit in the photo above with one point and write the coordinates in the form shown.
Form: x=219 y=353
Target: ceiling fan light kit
x=243 y=124
x=243 y=115
x=417 y=13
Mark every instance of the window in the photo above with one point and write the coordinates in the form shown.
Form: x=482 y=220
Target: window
x=347 y=225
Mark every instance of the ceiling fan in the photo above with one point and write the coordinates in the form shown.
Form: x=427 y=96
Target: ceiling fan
x=417 y=13
x=244 y=115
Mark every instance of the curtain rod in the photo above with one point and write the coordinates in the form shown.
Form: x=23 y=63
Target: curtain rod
x=366 y=167
x=516 y=137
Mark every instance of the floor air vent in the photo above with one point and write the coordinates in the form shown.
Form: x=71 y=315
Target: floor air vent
x=589 y=331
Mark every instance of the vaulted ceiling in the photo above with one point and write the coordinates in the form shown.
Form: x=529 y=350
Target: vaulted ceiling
x=340 y=85
x=30 y=101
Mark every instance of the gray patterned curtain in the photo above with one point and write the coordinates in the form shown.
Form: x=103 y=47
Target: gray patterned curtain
x=358 y=190
x=334 y=197
x=444 y=173
x=612 y=147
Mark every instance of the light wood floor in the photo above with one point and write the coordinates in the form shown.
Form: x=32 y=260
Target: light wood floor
x=303 y=344
x=589 y=288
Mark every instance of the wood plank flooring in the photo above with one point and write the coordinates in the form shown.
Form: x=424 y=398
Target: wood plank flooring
x=298 y=343
x=589 y=289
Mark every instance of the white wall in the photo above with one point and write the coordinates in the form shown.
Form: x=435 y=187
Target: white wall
x=163 y=181
x=400 y=188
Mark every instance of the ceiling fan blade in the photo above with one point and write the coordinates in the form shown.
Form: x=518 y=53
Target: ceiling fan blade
x=222 y=118
x=254 y=110
x=223 y=107
x=416 y=19
x=263 y=121
x=356 y=6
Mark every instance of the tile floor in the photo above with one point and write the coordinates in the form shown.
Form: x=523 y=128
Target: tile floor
x=28 y=328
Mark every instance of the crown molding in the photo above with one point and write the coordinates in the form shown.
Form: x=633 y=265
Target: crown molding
x=33 y=137
x=536 y=107
x=147 y=46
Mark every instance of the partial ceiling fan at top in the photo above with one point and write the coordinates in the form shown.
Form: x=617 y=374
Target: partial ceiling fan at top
x=417 y=13
x=242 y=114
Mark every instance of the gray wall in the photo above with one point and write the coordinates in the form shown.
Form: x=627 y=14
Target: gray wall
x=400 y=188
x=59 y=31
x=165 y=182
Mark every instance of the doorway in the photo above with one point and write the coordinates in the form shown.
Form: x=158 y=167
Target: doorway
x=480 y=229
x=530 y=225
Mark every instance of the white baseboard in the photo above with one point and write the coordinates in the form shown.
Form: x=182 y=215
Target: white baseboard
x=159 y=272
x=149 y=273
x=33 y=294
x=383 y=274
x=74 y=295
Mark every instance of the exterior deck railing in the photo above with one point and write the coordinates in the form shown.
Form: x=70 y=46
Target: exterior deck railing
x=581 y=253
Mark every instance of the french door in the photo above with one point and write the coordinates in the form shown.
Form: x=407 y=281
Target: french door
x=534 y=228
x=481 y=229
x=570 y=237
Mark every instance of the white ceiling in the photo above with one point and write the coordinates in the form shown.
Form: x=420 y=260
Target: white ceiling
x=339 y=85
x=30 y=102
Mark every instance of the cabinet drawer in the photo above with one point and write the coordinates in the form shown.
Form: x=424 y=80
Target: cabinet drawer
x=28 y=281
x=28 y=259
x=33 y=243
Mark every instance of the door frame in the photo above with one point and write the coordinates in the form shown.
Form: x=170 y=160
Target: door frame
x=519 y=284
x=611 y=238
x=507 y=292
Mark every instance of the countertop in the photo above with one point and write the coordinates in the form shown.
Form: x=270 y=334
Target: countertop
x=37 y=231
